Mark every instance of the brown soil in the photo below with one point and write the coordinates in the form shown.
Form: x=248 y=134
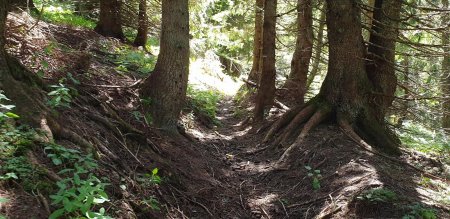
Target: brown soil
x=223 y=172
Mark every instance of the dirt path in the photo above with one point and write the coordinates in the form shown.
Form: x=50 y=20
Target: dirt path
x=249 y=188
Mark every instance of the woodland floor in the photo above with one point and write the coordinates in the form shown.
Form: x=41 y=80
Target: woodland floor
x=220 y=172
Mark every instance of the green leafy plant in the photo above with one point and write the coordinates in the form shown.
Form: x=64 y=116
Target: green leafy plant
x=61 y=15
x=79 y=196
x=60 y=96
x=150 y=179
x=5 y=110
x=204 y=102
x=60 y=155
x=152 y=202
x=80 y=192
x=15 y=168
x=378 y=195
x=14 y=139
x=420 y=211
x=137 y=60
x=315 y=176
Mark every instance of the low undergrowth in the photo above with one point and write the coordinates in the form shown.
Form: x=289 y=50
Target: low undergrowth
x=137 y=60
x=81 y=192
x=422 y=139
x=62 y=15
x=203 y=103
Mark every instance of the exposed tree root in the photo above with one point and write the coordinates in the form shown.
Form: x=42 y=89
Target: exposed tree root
x=283 y=121
x=320 y=115
x=34 y=161
x=300 y=118
x=67 y=134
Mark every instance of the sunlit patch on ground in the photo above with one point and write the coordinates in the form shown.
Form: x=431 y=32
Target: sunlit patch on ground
x=206 y=73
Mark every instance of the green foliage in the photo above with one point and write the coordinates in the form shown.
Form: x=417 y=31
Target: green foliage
x=60 y=96
x=79 y=196
x=152 y=202
x=15 y=168
x=62 y=14
x=420 y=211
x=150 y=179
x=420 y=138
x=5 y=110
x=131 y=59
x=315 y=176
x=378 y=195
x=60 y=155
x=81 y=191
x=14 y=139
x=204 y=102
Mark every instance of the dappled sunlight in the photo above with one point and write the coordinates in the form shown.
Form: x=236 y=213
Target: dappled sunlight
x=206 y=73
x=263 y=203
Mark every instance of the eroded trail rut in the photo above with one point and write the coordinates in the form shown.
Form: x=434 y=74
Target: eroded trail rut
x=248 y=187
x=240 y=195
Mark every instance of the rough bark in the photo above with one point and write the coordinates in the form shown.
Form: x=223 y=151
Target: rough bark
x=317 y=50
x=19 y=84
x=296 y=82
x=141 y=37
x=445 y=78
x=346 y=91
x=166 y=87
x=86 y=7
x=381 y=54
x=23 y=4
x=255 y=72
x=266 y=91
x=110 y=21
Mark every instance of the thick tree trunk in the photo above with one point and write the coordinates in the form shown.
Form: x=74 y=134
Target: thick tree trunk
x=296 y=82
x=19 y=85
x=346 y=90
x=110 y=21
x=255 y=72
x=317 y=50
x=381 y=54
x=141 y=37
x=166 y=87
x=445 y=81
x=266 y=90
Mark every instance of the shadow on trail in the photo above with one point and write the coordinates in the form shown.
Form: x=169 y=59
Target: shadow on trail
x=332 y=177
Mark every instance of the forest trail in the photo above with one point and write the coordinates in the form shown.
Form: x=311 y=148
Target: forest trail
x=325 y=181
x=221 y=173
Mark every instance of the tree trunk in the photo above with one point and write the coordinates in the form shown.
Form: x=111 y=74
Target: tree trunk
x=166 y=87
x=381 y=54
x=317 y=50
x=86 y=7
x=445 y=78
x=255 y=72
x=266 y=90
x=346 y=90
x=110 y=21
x=24 y=4
x=296 y=82
x=19 y=84
x=141 y=37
